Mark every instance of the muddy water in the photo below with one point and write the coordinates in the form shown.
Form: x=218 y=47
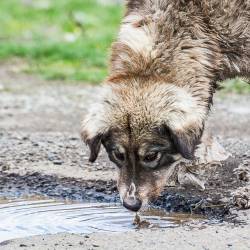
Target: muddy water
x=37 y=216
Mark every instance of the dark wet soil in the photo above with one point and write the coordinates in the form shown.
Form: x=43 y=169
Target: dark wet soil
x=215 y=201
x=61 y=188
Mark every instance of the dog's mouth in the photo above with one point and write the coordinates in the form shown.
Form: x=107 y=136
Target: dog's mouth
x=134 y=196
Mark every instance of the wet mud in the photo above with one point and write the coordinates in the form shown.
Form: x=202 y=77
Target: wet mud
x=14 y=185
x=215 y=202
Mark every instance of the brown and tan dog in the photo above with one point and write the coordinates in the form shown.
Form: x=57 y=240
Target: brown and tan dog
x=165 y=64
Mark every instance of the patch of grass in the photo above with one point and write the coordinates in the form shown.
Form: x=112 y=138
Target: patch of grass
x=60 y=39
x=235 y=86
x=66 y=39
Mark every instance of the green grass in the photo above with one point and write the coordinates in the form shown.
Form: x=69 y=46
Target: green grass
x=60 y=39
x=65 y=39
x=235 y=86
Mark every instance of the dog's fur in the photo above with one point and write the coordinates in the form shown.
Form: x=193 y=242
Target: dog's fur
x=165 y=65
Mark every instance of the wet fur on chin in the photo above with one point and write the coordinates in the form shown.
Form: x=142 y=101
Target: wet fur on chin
x=164 y=67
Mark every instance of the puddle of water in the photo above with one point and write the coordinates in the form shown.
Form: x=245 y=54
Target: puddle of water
x=36 y=216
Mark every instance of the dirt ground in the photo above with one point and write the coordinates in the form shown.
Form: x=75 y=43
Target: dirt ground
x=41 y=153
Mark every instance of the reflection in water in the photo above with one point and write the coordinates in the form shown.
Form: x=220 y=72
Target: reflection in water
x=36 y=216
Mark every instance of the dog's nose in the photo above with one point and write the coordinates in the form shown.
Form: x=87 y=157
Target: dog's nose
x=133 y=204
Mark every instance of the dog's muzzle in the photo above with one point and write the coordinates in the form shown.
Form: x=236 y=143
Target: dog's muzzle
x=131 y=201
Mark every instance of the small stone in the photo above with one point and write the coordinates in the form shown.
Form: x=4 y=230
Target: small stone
x=51 y=157
x=224 y=200
x=100 y=189
x=58 y=162
x=22 y=245
x=5 y=168
x=73 y=138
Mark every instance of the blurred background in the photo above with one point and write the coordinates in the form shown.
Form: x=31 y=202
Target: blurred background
x=65 y=39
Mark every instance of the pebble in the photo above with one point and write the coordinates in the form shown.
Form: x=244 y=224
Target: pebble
x=22 y=245
x=58 y=162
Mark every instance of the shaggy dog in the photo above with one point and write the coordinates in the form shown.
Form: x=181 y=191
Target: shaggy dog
x=165 y=64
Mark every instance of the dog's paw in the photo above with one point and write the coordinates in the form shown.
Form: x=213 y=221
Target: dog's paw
x=241 y=197
x=243 y=171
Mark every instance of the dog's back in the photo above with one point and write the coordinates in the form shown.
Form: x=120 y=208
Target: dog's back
x=214 y=36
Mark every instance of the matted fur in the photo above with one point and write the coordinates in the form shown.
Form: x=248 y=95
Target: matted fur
x=165 y=64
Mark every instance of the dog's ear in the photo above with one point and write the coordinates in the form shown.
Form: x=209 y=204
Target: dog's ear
x=94 y=145
x=186 y=141
x=97 y=121
x=93 y=130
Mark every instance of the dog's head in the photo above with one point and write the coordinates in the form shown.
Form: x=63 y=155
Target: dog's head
x=144 y=129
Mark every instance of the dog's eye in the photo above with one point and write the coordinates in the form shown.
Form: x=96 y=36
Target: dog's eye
x=118 y=155
x=151 y=157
